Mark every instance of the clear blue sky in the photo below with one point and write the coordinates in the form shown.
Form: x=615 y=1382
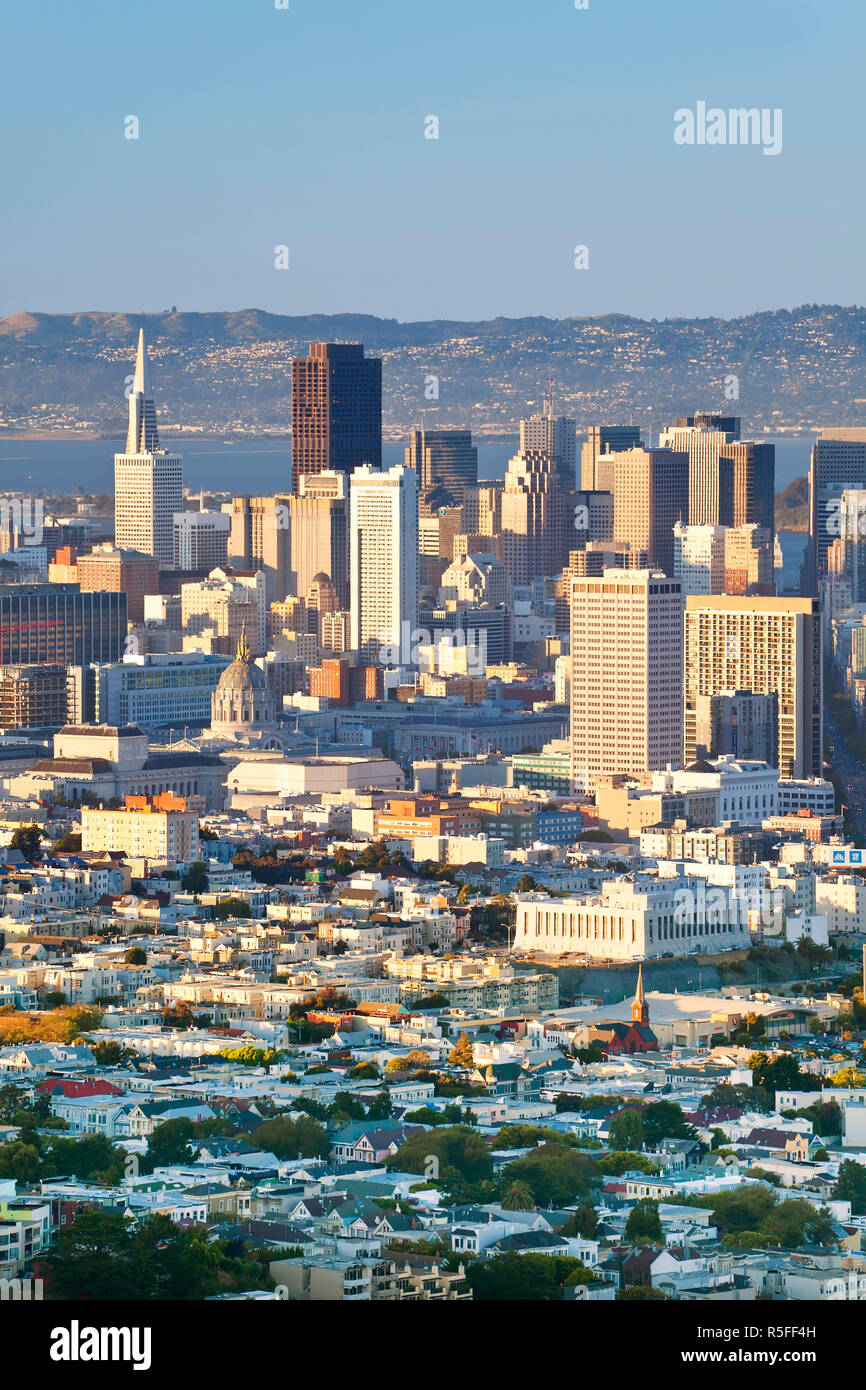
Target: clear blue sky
x=305 y=127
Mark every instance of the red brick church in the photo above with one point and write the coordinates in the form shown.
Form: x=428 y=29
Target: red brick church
x=615 y=1039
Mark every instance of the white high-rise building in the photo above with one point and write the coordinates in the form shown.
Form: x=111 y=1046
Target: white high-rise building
x=201 y=539
x=383 y=562
x=626 y=674
x=699 y=558
x=148 y=481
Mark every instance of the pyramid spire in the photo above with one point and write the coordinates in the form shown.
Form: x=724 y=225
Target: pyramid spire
x=141 y=384
x=639 y=1008
x=142 y=436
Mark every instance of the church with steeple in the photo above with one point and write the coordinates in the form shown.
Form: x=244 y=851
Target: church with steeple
x=640 y=1007
x=616 y=1039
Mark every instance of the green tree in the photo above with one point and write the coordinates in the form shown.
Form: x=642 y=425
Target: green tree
x=27 y=839
x=737 y=1097
x=170 y=1142
x=849 y=1076
x=364 y=1071
x=135 y=956
x=93 y=1258
x=781 y=1073
x=91 y=1157
x=381 y=1107
x=519 y=1278
x=665 y=1120
x=626 y=1131
x=738 y=1209
x=795 y=1221
x=582 y=1222
x=396 y=1066
x=287 y=1138
x=644 y=1226
x=453 y=1146
x=345 y=1107
x=178 y=1016
x=231 y=907
x=850 y=1185
x=69 y=843
x=110 y=1054
x=21 y=1161
x=195 y=880
x=556 y=1173
x=13 y=1103
x=518 y=1196
x=615 y=1164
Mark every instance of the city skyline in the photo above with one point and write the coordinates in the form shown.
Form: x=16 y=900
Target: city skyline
x=433 y=777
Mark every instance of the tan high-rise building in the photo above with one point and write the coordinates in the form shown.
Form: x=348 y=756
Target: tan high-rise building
x=604 y=440
x=482 y=509
x=536 y=524
x=35 y=697
x=731 y=481
x=224 y=608
x=260 y=539
x=711 y=473
x=555 y=435
x=749 y=560
x=111 y=570
x=626 y=674
x=159 y=828
x=319 y=534
x=766 y=646
x=650 y=495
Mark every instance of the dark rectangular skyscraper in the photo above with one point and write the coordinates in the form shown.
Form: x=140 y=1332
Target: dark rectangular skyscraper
x=57 y=623
x=336 y=410
x=443 y=459
x=754 y=483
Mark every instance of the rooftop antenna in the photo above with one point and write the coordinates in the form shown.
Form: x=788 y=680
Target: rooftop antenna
x=548 y=397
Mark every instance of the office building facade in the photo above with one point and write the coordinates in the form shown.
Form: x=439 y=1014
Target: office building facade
x=383 y=548
x=148 y=480
x=769 y=646
x=626 y=674
x=336 y=410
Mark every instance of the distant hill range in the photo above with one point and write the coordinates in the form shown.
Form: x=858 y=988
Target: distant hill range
x=783 y=370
